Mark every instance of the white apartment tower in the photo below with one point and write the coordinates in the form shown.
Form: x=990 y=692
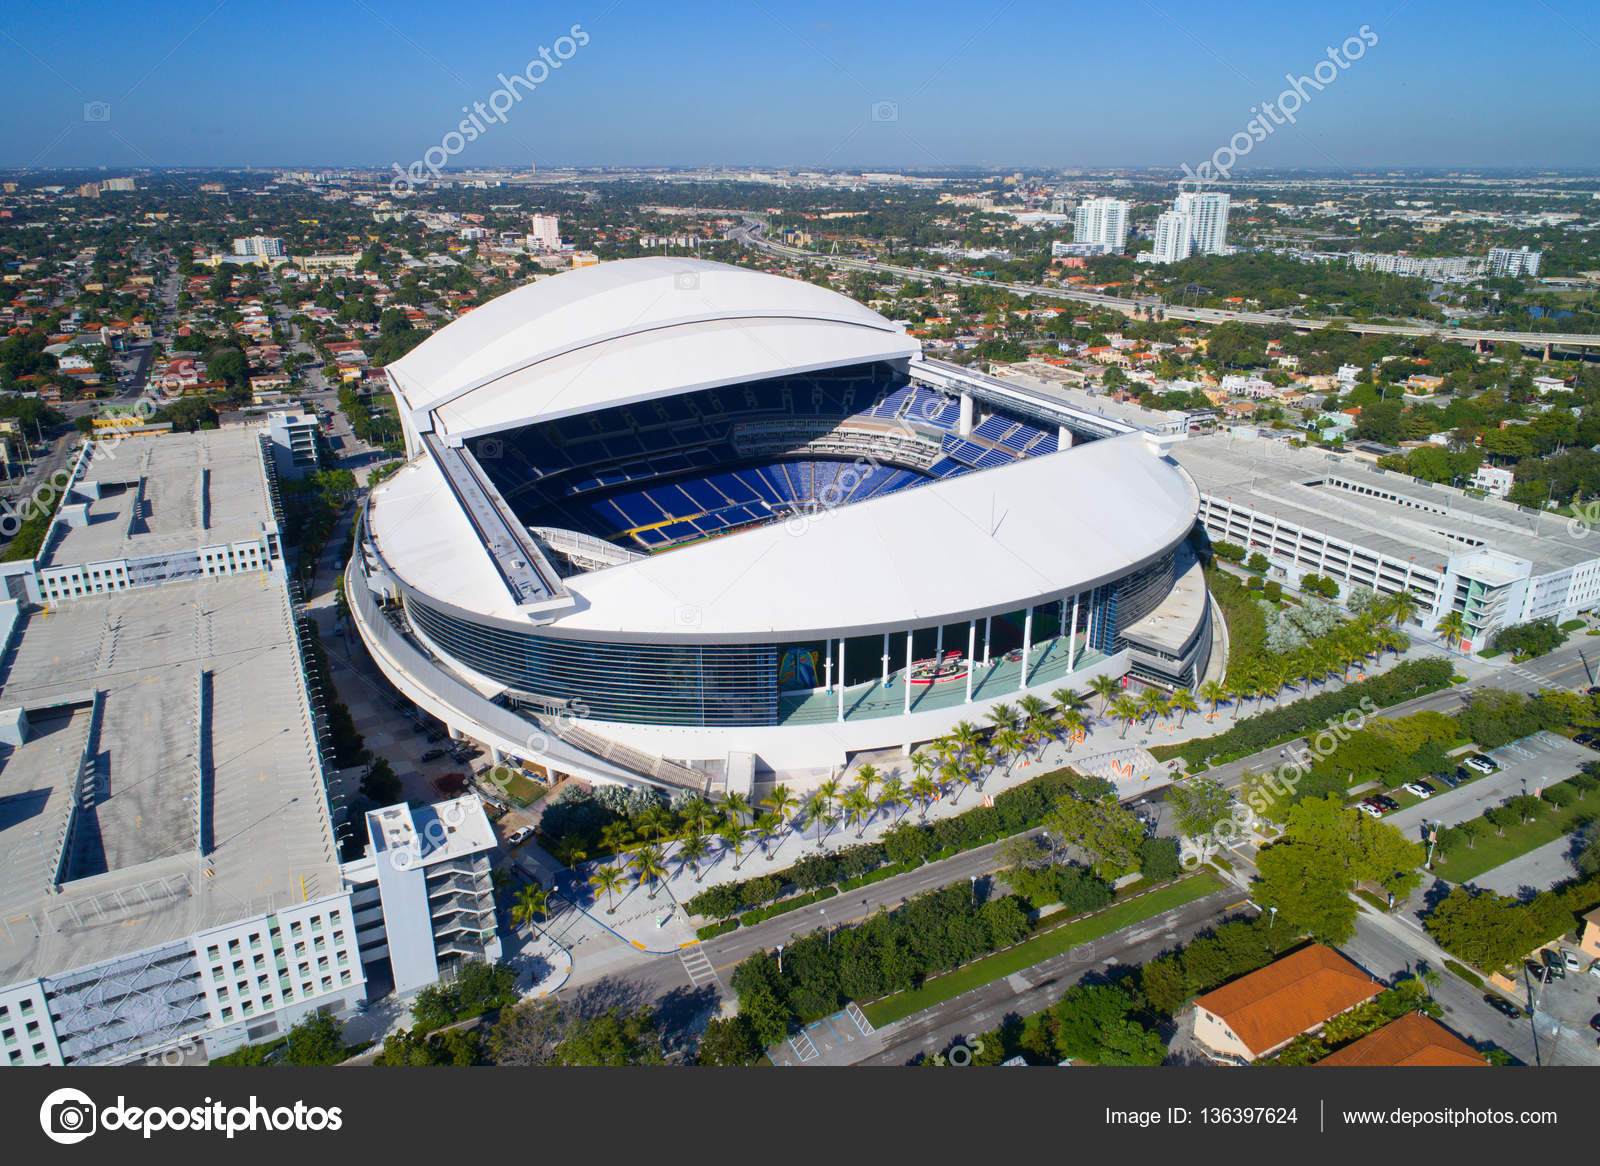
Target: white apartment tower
x=546 y=233
x=1102 y=222
x=1208 y=215
x=1173 y=238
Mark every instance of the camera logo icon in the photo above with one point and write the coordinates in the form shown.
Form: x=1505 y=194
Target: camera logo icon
x=96 y=111
x=687 y=614
x=686 y=281
x=885 y=111
x=68 y=1116
x=490 y=449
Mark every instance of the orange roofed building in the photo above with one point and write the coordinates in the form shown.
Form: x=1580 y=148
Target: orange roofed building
x=1260 y=1013
x=1414 y=1039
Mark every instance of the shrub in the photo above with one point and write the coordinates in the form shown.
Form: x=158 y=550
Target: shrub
x=1158 y=859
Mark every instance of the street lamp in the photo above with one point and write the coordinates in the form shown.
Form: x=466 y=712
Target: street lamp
x=780 y=959
x=974 y=890
x=1273 y=919
x=828 y=927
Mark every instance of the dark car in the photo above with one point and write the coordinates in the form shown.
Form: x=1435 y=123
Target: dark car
x=1503 y=1006
x=1450 y=779
x=1593 y=690
x=433 y=754
x=1587 y=739
x=1553 y=965
x=1464 y=774
x=1386 y=803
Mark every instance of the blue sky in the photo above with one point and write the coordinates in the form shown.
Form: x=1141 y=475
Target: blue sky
x=1471 y=83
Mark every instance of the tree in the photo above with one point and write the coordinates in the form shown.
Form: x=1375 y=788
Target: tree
x=1106 y=832
x=691 y=850
x=316 y=1040
x=530 y=904
x=1126 y=710
x=816 y=811
x=1215 y=692
x=1199 y=803
x=649 y=868
x=1453 y=627
x=529 y=1033
x=1586 y=849
x=1183 y=700
x=858 y=808
x=613 y=1038
x=608 y=880
x=1105 y=687
x=728 y=1041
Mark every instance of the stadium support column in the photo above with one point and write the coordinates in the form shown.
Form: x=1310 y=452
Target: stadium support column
x=986 y=640
x=972 y=646
x=1063 y=437
x=909 y=638
x=938 y=644
x=886 y=659
x=841 y=678
x=964 y=428
x=828 y=668
x=1072 y=635
x=1027 y=646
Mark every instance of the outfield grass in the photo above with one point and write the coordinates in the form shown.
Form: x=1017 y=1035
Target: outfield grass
x=1463 y=864
x=1051 y=942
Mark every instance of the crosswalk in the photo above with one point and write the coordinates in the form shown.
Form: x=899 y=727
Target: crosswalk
x=699 y=968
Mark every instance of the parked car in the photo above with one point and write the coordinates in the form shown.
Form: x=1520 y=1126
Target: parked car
x=1386 y=803
x=1569 y=960
x=520 y=835
x=1370 y=809
x=1422 y=789
x=1464 y=774
x=1450 y=779
x=1593 y=690
x=1553 y=964
x=1594 y=969
x=1539 y=972
x=433 y=754
x=1588 y=740
x=1503 y=1006
x=1594 y=1022
x=1483 y=763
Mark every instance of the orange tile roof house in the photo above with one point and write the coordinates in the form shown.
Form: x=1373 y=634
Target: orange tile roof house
x=1260 y=1013
x=1414 y=1039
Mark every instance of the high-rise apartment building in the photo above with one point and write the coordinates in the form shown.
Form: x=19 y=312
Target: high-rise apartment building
x=546 y=233
x=1208 y=215
x=1102 y=222
x=1173 y=237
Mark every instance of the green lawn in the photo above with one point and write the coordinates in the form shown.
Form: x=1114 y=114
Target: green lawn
x=1051 y=942
x=1464 y=864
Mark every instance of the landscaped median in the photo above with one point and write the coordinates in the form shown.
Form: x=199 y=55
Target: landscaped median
x=1052 y=940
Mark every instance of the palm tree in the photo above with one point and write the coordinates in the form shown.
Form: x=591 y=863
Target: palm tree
x=1126 y=710
x=1183 y=700
x=649 y=868
x=1068 y=699
x=924 y=789
x=1152 y=703
x=1105 y=688
x=829 y=791
x=691 y=850
x=1010 y=745
x=1452 y=627
x=867 y=777
x=1237 y=691
x=1072 y=724
x=1030 y=706
x=1402 y=607
x=952 y=774
x=654 y=817
x=698 y=813
x=858 y=808
x=965 y=734
x=921 y=763
x=569 y=853
x=530 y=903
x=1214 y=691
x=816 y=810
x=615 y=835
x=767 y=827
x=782 y=802
x=734 y=834
x=893 y=793
x=1002 y=716
x=736 y=806
x=608 y=880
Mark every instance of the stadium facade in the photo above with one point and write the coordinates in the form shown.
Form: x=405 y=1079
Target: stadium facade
x=675 y=521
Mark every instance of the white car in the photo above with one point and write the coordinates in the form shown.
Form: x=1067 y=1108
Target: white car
x=1570 y=959
x=1369 y=809
x=1481 y=763
x=1594 y=969
x=1423 y=792
x=520 y=835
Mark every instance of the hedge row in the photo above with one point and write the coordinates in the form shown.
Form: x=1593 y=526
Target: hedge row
x=760 y=914
x=1408 y=679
